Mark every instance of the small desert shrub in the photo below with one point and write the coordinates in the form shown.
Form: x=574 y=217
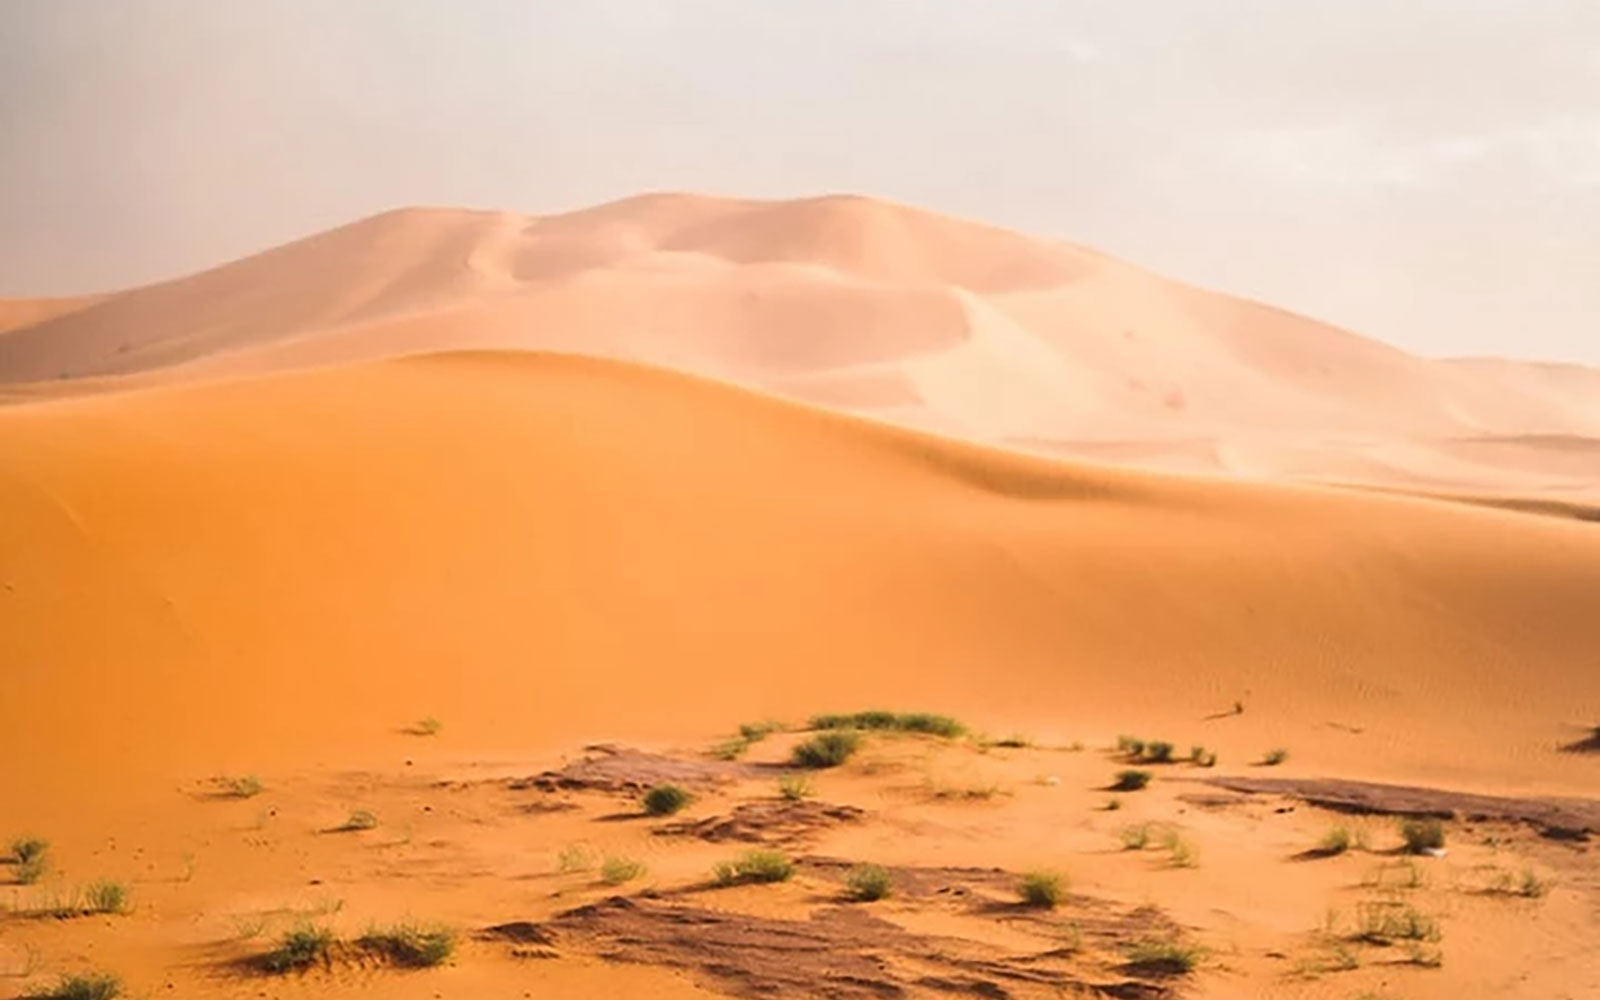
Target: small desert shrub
x=794 y=787
x=731 y=749
x=26 y=849
x=1113 y=804
x=1133 y=746
x=1335 y=841
x=95 y=986
x=413 y=945
x=827 y=749
x=868 y=882
x=1274 y=757
x=1385 y=921
x=360 y=819
x=1422 y=835
x=1428 y=958
x=1163 y=957
x=1527 y=884
x=30 y=871
x=574 y=858
x=1012 y=742
x=908 y=722
x=755 y=866
x=1131 y=780
x=616 y=870
x=300 y=946
x=1158 y=752
x=105 y=896
x=1201 y=757
x=1042 y=888
x=244 y=787
x=1136 y=838
x=755 y=732
x=427 y=727
x=664 y=800
x=1182 y=853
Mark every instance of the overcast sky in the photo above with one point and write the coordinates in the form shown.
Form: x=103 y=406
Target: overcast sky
x=1424 y=171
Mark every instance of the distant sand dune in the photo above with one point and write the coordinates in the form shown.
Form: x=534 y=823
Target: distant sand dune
x=858 y=304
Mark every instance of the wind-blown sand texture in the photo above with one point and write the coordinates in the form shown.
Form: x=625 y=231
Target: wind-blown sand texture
x=267 y=524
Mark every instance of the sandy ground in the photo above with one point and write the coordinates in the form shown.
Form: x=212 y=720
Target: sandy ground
x=264 y=527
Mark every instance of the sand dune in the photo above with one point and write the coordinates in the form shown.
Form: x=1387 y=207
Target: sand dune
x=540 y=546
x=862 y=305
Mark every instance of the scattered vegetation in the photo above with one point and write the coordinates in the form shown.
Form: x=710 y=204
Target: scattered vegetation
x=755 y=732
x=1335 y=841
x=299 y=948
x=1422 y=835
x=794 y=787
x=95 y=986
x=427 y=727
x=617 y=869
x=1158 y=752
x=105 y=896
x=664 y=800
x=1528 y=884
x=905 y=722
x=754 y=866
x=1044 y=889
x=1201 y=757
x=827 y=749
x=1274 y=757
x=26 y=849
x=868 y=882
x=30 y=871
x=360 y=819
x=574 y=858
x=1385 y=921
x=1182 y=853
x=1131 y=780
x=414 y=945
x=245 y=787
x=1133 y=746
x=1162 y=957
x=1136 y=838
x=730 y=749
x=1408 y=875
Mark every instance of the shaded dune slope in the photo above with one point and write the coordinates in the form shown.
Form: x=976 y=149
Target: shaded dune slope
x=540 y=548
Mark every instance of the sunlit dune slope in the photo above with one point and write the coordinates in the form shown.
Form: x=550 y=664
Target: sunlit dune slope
x=862 y=305
x=256 y=574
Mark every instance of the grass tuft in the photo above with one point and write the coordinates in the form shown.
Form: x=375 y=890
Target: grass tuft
x=755 y=732
x=1422 y=835
x=1385 y=921
x=243 y=787
x=413 y=945
x=94 y=986
x=827 y=749
x=1158 y=752
x=1274 y=757
x=26 y=849
x=1335 y=841
x=1045 y=889
x=360 y=819
x=427 y=727
x=794 y=787
x=1131 y=780
x=755 y=866
x=906 y=722
x=299 y=948
x=616 y=869
x=1132 y=746
x=664 y=800
x=1163 y=957
x=1136 y=838
x=105 y=896
x=1199 y=756
x=868 y=882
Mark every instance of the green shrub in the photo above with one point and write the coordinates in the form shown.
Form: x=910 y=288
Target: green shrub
x=1044 y=889
x=1015 y=741
x=1158 y=752
x=616 y=870
x=105 y=896
x=731 y=749
x=95 y=986
x=755 y=732
x=664 y=800
x=1274 y=757
x=1131 y=780
x=30 y=871
x=300 y=946
x=1335 y=841
x=1133 y=746
x=794 y=787
x=868 y=882
x=827 y=749
x=908 y=722
x=1384 y=921
x=1201 y=757
x=1422 y=835
x=25 y=849
x=755 y=866
x=1162 y=957
x=1113 y=804
x=427 y=727
x=414 y=945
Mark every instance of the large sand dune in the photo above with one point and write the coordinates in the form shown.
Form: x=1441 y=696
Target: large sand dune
x=539 y=547
x=866 y=306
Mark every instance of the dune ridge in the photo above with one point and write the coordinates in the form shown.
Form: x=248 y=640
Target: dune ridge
x=862 y=305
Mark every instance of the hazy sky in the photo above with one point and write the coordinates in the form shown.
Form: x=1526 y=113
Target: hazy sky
x=1425 y=171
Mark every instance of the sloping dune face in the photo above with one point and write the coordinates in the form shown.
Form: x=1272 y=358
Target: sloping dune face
x=541 y=548
x=862 y=305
